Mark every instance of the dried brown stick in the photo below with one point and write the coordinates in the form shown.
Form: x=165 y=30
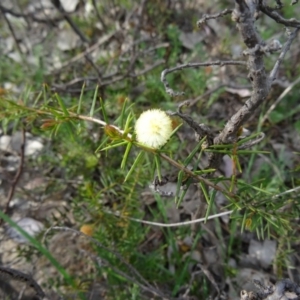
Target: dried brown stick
x=282 y=95
x=213 y=90
x=12 y=32
x=277 y=17
x=252 y=143
x=82 y=37
x=285 y=49
x=105 y=81
x=88 y=50
x=99 y=15
x=22 y=277
x=206 y=17
x=17 y=176
x=28 y=15
x=193 y=65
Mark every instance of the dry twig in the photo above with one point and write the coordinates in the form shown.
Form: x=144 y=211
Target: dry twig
x=193 y=65
x=205 y=17
x=22 y=277
x=17 y=176
x=276 y=16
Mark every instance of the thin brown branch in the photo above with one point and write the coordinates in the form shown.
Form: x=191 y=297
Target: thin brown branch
x=277 y=17
x=82 y=37
x=104 y=26
x=17 y=176
x=253 y=142
x=198 y=177
x=28 y=16
x=282 y=95
x=115 y=78
x=71 y=23
x=285 y=49
x=206 y=17
x=87 y=51
x=193 y=65
x=22 y=277
x=12 y=32
x=148 y=69
x=213 y=90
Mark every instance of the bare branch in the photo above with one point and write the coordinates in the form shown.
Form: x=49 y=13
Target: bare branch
x=277 y=17
x=87 y=51
x=200 y=129
x=82 y=37
x=213 y=90
x=279 y=3
x=286 y=47
x=17 y=176
x=206 y=17
x=282 y=95
x=22 y=277
x=193 y=65
x=81 y=80
x=244 y=16
x=222 y=214
x=12 y=32
x=252 y=142
x=28 y=15
x=98 y=15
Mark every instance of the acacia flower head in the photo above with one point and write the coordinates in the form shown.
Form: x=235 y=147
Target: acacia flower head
x=153 y=128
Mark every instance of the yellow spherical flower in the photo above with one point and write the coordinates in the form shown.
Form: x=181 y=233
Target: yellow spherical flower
x=153 y=128
x=87 y=229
